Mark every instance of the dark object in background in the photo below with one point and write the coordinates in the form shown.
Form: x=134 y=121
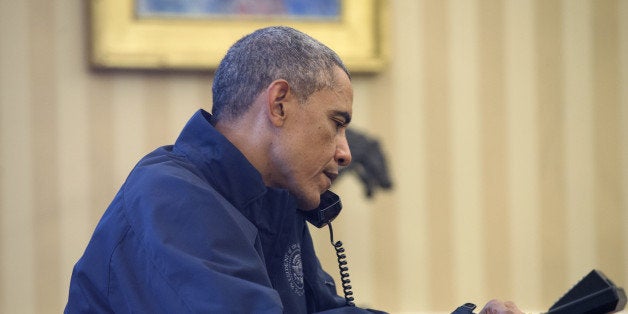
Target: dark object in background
x=368 y=162
x=593 y=294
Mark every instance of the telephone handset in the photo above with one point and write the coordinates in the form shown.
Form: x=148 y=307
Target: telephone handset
x=327 y=211
x=321 y=216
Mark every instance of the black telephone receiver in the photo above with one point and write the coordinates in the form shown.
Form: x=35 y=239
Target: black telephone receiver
x=323 y=215
x=327 y=211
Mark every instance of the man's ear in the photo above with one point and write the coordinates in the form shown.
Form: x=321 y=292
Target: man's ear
x=279 y=95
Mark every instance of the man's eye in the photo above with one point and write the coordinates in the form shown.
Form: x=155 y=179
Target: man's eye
x=339 y=123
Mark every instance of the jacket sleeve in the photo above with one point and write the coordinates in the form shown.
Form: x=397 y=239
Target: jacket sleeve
x=184 y=250
x=350 y=310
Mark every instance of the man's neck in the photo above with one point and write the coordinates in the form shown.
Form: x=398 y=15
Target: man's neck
x=250 y=135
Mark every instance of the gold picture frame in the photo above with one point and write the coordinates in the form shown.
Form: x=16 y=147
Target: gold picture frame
x=121 y=41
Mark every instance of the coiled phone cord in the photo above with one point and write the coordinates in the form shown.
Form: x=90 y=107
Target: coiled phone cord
x=344 y=269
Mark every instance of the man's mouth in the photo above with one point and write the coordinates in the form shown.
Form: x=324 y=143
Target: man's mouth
x=331 y=175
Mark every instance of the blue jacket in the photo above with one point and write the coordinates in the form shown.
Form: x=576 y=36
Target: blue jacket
x=195 y=230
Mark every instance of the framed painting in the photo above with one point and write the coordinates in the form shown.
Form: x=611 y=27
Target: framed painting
x=195 y=34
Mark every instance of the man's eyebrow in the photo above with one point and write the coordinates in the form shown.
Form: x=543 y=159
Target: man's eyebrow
x=343 y=114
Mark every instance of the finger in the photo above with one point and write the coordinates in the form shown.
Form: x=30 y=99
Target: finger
x=512 y=306
x=498 y=307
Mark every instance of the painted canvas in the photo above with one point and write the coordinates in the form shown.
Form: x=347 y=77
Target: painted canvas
x=264 y=9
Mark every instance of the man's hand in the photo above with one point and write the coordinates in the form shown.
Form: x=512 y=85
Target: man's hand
x=499 y=307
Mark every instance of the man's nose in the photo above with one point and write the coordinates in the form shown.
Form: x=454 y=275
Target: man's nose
x=343 y=152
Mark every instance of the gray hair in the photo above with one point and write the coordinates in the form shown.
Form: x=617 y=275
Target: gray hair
x=268 y=54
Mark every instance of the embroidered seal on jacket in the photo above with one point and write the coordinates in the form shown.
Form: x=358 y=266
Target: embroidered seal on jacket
x=293 y=268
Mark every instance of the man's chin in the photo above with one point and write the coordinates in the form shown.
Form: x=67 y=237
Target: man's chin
x=308 y=204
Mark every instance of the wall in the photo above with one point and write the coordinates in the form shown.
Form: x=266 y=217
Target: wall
x=504 y=122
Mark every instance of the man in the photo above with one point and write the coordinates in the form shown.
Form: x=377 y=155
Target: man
x=211 y=224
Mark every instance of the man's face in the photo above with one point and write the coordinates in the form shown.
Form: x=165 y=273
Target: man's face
x=313 y=143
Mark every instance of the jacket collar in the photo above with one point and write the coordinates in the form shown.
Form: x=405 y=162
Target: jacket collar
x=226 y=169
